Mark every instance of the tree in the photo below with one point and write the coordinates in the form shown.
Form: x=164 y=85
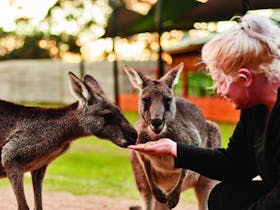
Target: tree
x=63 y=29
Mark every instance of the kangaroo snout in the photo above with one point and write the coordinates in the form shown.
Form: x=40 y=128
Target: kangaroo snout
x=157 y=125
x=130 y=137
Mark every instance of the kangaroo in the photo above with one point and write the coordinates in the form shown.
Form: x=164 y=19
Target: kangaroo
x=164 y=115
x=32 y=137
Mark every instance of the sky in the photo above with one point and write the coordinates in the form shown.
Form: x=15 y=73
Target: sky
x=37 y=10
x=12 y=9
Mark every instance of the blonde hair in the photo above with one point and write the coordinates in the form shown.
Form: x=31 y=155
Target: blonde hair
x=254 y=44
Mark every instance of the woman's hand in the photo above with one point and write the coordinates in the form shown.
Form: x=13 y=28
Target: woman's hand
x=162 y=146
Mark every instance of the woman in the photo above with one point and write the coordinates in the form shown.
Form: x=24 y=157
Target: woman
x=244 y=64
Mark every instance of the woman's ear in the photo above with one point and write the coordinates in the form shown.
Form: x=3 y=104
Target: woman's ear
x=246 y=75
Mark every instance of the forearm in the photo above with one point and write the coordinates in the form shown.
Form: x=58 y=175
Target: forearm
x=213 y=163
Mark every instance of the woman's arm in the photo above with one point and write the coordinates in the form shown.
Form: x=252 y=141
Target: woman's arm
x=231 y=164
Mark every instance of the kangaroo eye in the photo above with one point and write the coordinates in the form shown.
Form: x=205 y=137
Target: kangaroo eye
x=167 y=102
x=146 y=101
x=108 y=117
x=89 y=102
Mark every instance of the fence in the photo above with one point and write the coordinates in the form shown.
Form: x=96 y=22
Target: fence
x=47 y=81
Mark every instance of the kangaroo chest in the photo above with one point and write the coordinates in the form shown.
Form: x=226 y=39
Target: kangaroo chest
x=161 y=168
x=159 y=163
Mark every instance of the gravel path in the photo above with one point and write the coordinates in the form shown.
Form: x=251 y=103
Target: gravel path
x=68 y=201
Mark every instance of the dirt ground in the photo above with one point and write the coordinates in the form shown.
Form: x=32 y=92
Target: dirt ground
x=68 y=201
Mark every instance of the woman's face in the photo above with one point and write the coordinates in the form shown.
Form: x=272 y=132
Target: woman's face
x=237 y=94
x=234 y=90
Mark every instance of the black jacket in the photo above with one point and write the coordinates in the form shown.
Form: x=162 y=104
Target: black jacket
x=252 y=150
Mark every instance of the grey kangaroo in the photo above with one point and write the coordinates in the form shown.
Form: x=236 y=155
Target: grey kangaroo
x=32 y=137
x=164 y=115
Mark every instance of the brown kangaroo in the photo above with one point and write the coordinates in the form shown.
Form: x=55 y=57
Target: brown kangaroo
x=164 y=115
x=32 y=137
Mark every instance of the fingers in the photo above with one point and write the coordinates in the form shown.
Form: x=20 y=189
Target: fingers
x=149 y=148
x=136 y=147
x=142 y=147
x=162 y=146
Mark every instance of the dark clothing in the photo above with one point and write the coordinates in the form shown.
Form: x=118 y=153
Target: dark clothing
x=253 y=149
x=226 y=196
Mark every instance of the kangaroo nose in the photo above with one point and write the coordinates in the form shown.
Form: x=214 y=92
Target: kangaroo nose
x=131 y=137
x=156 y=122
x=134 y=136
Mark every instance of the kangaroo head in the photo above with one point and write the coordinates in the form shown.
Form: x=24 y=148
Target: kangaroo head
x=157 y=104
x=98 y=115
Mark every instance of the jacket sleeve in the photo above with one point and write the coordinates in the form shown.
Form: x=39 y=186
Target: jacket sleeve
x=230 y=165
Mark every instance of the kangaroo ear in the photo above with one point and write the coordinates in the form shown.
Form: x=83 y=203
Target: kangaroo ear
x=137 y=79
x=171 y=78
x=93 y=85
x=79 y=90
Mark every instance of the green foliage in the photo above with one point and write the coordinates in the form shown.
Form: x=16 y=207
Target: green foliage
x=56 y=43
x=55 y=46
x=172 y=16
x=30 y=49
x=198 y=84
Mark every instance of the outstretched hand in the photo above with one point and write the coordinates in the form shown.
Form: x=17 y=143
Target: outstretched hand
x=162 y=146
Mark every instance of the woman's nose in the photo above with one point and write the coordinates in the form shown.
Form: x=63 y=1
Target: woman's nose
x=219 y=90
x=222 y=89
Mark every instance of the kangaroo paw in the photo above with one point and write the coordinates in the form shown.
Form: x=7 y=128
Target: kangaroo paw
x=173 y=200
x=172 y=203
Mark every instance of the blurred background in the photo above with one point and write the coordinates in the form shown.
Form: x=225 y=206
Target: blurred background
x=41 y=40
